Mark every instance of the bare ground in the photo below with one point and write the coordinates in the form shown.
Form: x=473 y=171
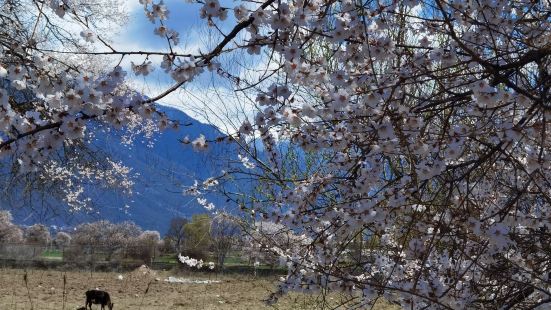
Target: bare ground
x=137 y=290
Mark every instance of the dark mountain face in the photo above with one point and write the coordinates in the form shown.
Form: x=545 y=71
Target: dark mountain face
x=163 y=169
x=162 y=166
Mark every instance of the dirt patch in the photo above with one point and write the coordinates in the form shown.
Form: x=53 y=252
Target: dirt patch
x=141 y=274
x=139 y=290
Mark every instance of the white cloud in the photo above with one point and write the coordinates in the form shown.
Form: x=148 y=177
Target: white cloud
x=132 y=6
x=218 y=106
x=208 y=100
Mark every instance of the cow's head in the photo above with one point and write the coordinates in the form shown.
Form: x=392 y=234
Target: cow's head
x=110 y=305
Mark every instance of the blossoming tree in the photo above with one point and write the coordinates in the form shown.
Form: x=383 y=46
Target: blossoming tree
x=428 y=120
x=54 y=169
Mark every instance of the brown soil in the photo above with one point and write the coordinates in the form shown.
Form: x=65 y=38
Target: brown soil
x=139 y=290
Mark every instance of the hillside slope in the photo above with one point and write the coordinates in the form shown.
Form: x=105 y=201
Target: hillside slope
x=161 y=168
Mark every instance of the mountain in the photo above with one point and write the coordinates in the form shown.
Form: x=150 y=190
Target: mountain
x=162 y=170
x=162 y=167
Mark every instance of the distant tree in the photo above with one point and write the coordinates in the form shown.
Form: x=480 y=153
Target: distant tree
x=225 y=235
x=150 y=237
x=105 y=236
x=38 y=234
x=167 y=246
x=145 y=245
x=62 y=239
x=92 y=233
x=9 y=232
x=198 y=239
x=122 y=234
x=176 y=233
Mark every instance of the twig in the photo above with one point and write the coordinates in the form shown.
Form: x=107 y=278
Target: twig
x=26 y=279
x=64 y=285
x=145 y=293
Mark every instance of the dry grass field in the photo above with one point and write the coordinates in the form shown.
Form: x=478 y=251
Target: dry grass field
x=44 y=289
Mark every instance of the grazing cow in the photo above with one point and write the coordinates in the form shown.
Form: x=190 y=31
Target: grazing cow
x=98 y=297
